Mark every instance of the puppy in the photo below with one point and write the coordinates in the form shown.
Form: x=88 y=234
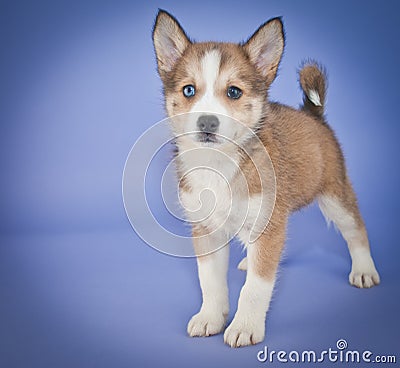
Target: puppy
x=244 y=164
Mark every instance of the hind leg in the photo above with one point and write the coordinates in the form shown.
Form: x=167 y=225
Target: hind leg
x=343 y=210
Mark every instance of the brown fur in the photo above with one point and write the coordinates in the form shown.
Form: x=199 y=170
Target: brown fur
x=308 y=162
x=303 y=162
x=306 y=156
x=313 y=76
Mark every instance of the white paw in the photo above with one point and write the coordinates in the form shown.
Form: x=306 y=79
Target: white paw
x=364 y=278
x=243 y=264
x=364 y=274
x=206 y=323
x=243 y=332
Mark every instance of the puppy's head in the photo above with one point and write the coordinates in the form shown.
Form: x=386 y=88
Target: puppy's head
x=217 y=83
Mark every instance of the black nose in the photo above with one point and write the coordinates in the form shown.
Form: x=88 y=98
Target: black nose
x=208 y=123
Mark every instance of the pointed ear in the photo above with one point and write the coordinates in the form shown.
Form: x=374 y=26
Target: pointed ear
x=170 y=41
x=265 y=48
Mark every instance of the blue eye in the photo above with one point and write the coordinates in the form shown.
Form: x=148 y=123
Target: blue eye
x=234 y=92
x=189 y=90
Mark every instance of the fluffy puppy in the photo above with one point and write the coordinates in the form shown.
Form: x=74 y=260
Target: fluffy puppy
x=208 y=88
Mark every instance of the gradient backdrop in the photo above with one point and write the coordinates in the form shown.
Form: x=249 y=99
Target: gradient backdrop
x=78 y=86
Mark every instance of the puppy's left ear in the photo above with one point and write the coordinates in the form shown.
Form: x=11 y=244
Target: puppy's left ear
x=265 y=48
x=170 y=41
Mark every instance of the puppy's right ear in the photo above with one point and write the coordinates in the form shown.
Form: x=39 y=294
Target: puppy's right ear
x=170 y=41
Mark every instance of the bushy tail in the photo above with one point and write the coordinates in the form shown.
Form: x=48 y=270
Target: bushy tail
x=313 y=82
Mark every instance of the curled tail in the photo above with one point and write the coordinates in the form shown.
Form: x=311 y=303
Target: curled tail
x=313 y=82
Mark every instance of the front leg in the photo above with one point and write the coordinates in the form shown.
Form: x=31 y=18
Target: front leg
x=248 y=325
x=212 y=269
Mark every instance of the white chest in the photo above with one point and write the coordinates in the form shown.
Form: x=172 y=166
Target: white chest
x=216 y=194
x=216 y=204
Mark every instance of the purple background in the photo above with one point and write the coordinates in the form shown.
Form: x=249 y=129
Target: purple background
x=78 y=86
